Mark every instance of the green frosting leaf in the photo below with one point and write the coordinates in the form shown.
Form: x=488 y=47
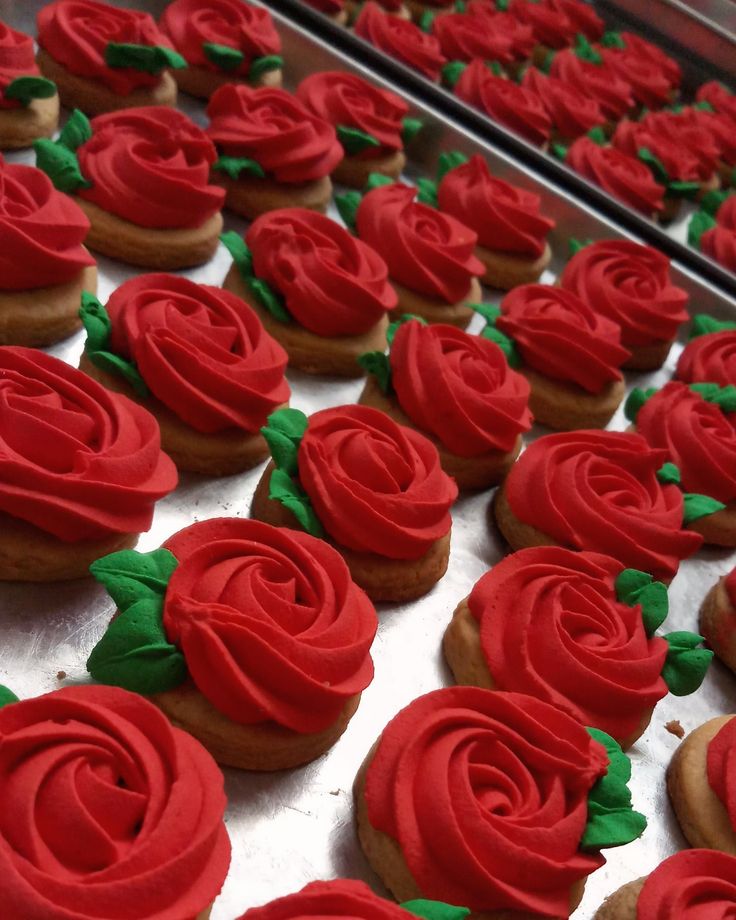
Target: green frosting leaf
x=291 y=495
x=460 y=6
x=669 y=475
x=612 y=822
x=546 y=65
x=260 y=289
x=236 y=166
x=686 y=665
x=76 y=131
x=681 y=189
x=704 y=324
x=377 y=180
x=635 y=400
x=283 y=431
x=612 y=40
x=452 y=72
x=60 y=165
x=7 y=696
x=559 y=150
x=575 y=245
x=488 y=311
x=402 y=320
x=426 y=20
x=505 y=343
x=598 y=135
x=427 y=192
x=410 y=127
x=656 y=166
x=261 y=65
x=585 y=51
x=130 y=576
x=435 y=910
x=347 y=207
x=495 y=68
x=723 y=397
x=354 y=140
x=698 y=506
x=147 y=58
x=238 y=249
x=269 y=299
x=223 y=56
x=699 y=223
x=97 y=325
x=711 y=202
x=634 y=587
x=26 y=89
x=502 y=5
x=449 y=160
x=703 y=106
x=377 y=364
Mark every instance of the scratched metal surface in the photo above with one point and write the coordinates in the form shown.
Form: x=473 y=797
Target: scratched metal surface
x=293 y=827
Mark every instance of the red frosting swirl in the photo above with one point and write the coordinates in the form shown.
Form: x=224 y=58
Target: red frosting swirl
x=76 y=33
x=401 y=39
x=700 y=439
x=505 y=217
x=270 y=623
x=550 y=24
x=721 y=768
x=719 y=96
x=632 y=136
x=709 y=358
x=41 y=231
x=720 y=241
x=685 y=129
x=621 y=175
x=275 y=129
x=552 y=626
x=630 y=284
x=150 y=166
x=720 y=128
x=502 y=780
x=503 y=27
x=17 y=59
x=201 y=351
x=106 y=808
x=597 y=80
x=654 y=54
x=464 y=36
x=459 y=387
x=348 y=100
x=650 y=84
x=377 y=487
x=339 y=898
x=190 y=24
x=572 y=111
x=427 y=251
x=691 y=885
x=582 y=16
x=77 y=461
x=332 y=282
x=506 y=102
x=598 y=491
x=561 y=337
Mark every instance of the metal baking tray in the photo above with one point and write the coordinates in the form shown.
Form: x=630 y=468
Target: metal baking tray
x=293 y=827
x=701 y=41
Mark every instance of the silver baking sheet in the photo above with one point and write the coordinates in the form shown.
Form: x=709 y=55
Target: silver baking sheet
x=294 y=827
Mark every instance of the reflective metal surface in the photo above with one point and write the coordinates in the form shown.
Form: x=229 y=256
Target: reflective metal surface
x=293 y=827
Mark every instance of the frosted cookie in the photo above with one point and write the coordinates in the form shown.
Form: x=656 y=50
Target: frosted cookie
x=400 y=39
x=581 y=16
x=29 y=103
x=676 y=128
x=715 y=233
x=323 y=295
x=654 y=77
x=582 y=66
x=718 y=618
x=572 y=111
x=482 y=31
x=551 y=27
x=263 y=641
x=198 y=359
x=710 y=355
x=373 y=488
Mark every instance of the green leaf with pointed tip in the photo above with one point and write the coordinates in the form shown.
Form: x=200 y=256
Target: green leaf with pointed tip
x=60 y=165
x=98 y=327
x=669 y=475
x=612 y=40
x=223 y=56
x=697 y=506
x=598 y=135
x=26 y=89
x=699 y=224
x=585 y=51
x=238 y=249
x=634 y=587
x=575 y=245
x=656 y=166
x=704 y=324
x=452 y=72
x=377 y=180
x=410 y=127
x=354 y=140
x=235 y=167
x=723 y=397
x=76 y=131
x=269 y=299
x=635 y=400
x=264 y=64
x=426 y=20
x=347 y=207
x=449 y=160
x=427 y=192
x=711 y=202
x=7 y=696
x=488 y=311
x=435 y=910
x=505 y=343
x=495 y=68
x=679 y=188
x=377 y=364
x=686 y=664
x=130 y=576
x=401 y=321
x=559 y=150
x=283 y=431
x=291 y=495
x=146 y=58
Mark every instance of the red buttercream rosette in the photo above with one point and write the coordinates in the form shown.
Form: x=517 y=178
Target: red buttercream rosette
x=597 y=80
x=377 y=487
x=551 y=626
x=691 y=885
x=275 y=129
x=550 y=24
x=630 y=137
x=503 y=26
x=76 y=33
x=503 y=780
x=687 y=130
x=41 y=231
x=560 y=336
x=719 y=242
x=17 y=59
x=459 y=387
x=200 y=350
x=720 y=127
x=401 y=39
x=505 y=217
x=650 y=84
x=105 y=804
x=655 y=55
x=709 y=358
x=718 y=96
x=427 y=251
x=572 y=111
x=337 y=898
x=333 y=284
x=269 y=621
x=464 y=36
x=582 y=16
x=150 y=166
x=630 y=284
x=76 y=460
x=598 y=491
x=190 y=24
x=721 y=768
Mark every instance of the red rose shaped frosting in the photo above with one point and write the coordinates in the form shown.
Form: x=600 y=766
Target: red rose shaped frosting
x=621 y=175
x=505 y=101
x=193 y=24
x=709 y=358
x=401 y=39
x=719 y=242
x=719 y=96
x=502 y=26
x=270 y=623
x=377 y=487
x=597 y=80
x=275 y=129
x=76 y=461
x=550 y=25
x=76 y=33
x=105 y=805
x=632 y=136
x=333 y=284
x=17 y=59
x=699 y=437
x=464 y=36
x=598 y=491
x=654 y=54
x=552 y=626
x=427 y=251
x=505 y=217
x=630 y=284
x=721 y=768
x=691 y=885
x=347 y=100
x=650 y=84
x=561 y=337
x=686 y=130
x=200 y=350
x=720 y=128
x=502 y=779
x=459 y=387
x=150 y=166
x=572 y=111
x=41 y=231
x=340 y=897
x=582 y=16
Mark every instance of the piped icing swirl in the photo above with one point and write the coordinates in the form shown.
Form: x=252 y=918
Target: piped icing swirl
x=550 y=24
x=721 y=768
x=719 y=96
x=573 y=112
x=689 y=130
x=611 y=92
x=504 y=27
x=719 y=242
x=582 y=16
x=17 y=59
x=105 y=804
x=691 y=885
x=710 y=358
x=488 y=35
x=401 y=39
x=650 y=84
x=679 y=162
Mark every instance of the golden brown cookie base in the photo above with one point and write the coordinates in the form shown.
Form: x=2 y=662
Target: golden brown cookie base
x=387 y=859
x=313 y=354
x=220 y=453
x=94 y=98
x=718 y=529
x=251 y=197
x=435 y=311
x=621 y=905
x=479 y=472
x=28 y=553
x=703 y=819
x=516 y=533
x=568 y=407
x=44 y=315
x=718 y=623
x=265 y=746
x=201 y=82
x=354 y=172
x=504 y=270
x=205 y=915
x=647 y=357
x=381 y=578
x=21 y=127
x=165 y=250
